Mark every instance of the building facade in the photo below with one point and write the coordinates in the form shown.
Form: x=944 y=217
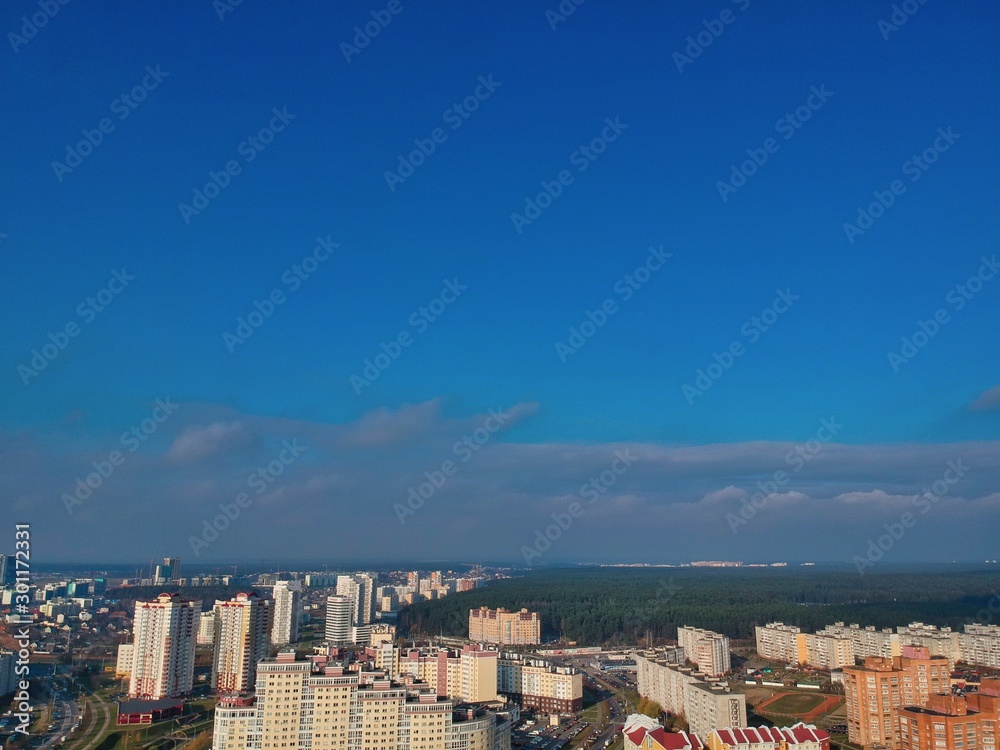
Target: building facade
x=780 y=642
x=876 y=689
x=706 y=705
x=242 y=627
x=504 y=627
x=533 y=683
x=286 y=612
x=339 y=620
x=299 y=707
x=939 y=641
x=164 y=635
x=980 y=644
x=708 y=650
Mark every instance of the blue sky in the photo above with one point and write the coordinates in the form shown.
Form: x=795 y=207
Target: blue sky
x=656 y=185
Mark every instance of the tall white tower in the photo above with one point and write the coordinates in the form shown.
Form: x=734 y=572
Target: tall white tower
x=165 y=632
x=286 y=612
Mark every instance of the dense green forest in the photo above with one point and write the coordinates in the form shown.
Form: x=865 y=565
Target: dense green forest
x=603 y=606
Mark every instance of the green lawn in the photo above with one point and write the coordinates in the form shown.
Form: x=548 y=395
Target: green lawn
x=794 y=704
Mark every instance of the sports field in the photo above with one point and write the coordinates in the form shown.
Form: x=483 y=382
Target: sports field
x=805 y=706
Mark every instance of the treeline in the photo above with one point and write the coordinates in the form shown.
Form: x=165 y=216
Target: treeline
x=608 y=606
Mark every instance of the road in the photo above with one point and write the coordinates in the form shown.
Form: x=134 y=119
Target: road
x=69 y=714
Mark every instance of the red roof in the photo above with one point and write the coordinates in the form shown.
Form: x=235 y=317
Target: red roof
x=665 y=739
x=793 y=735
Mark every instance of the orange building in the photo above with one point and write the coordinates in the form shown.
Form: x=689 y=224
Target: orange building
x=504 y=627
x=878 y=689
x=952 y=721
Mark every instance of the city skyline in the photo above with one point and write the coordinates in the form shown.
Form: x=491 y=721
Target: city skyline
x=602 y=286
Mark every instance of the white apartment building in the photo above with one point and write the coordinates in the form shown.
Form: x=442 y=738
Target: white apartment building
x=164 y=633
x=206 y=629
x=709 y=650
x=705 y=704
x=828 y=650
x=866 y=641
x=779 y=642
x=286 y=612
x=980 y=645
x=939 y=641
x=360 y=588
x=339 y=620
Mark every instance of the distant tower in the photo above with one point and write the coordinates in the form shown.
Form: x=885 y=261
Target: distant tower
x=339 y=618
x=286 y=612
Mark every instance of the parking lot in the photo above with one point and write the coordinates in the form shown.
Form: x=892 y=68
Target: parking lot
x=536 y=736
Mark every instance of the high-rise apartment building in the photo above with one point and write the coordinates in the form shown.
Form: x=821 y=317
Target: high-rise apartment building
x=339 y=620
x=706 y=705
x=206 y=629
x=164 y=634
x=169 y=571
x=360 y=588
x=536 y=684
x=468 y=675
x=939 y=641
x=8 y=570
x=286 y=612
x=503 y=627
x=828 y=649
x=877 y=689
x=780 y=642
x=242 y=627
x=980 y=644
x=298 y=707
x=708 y=650
x=866 y=641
